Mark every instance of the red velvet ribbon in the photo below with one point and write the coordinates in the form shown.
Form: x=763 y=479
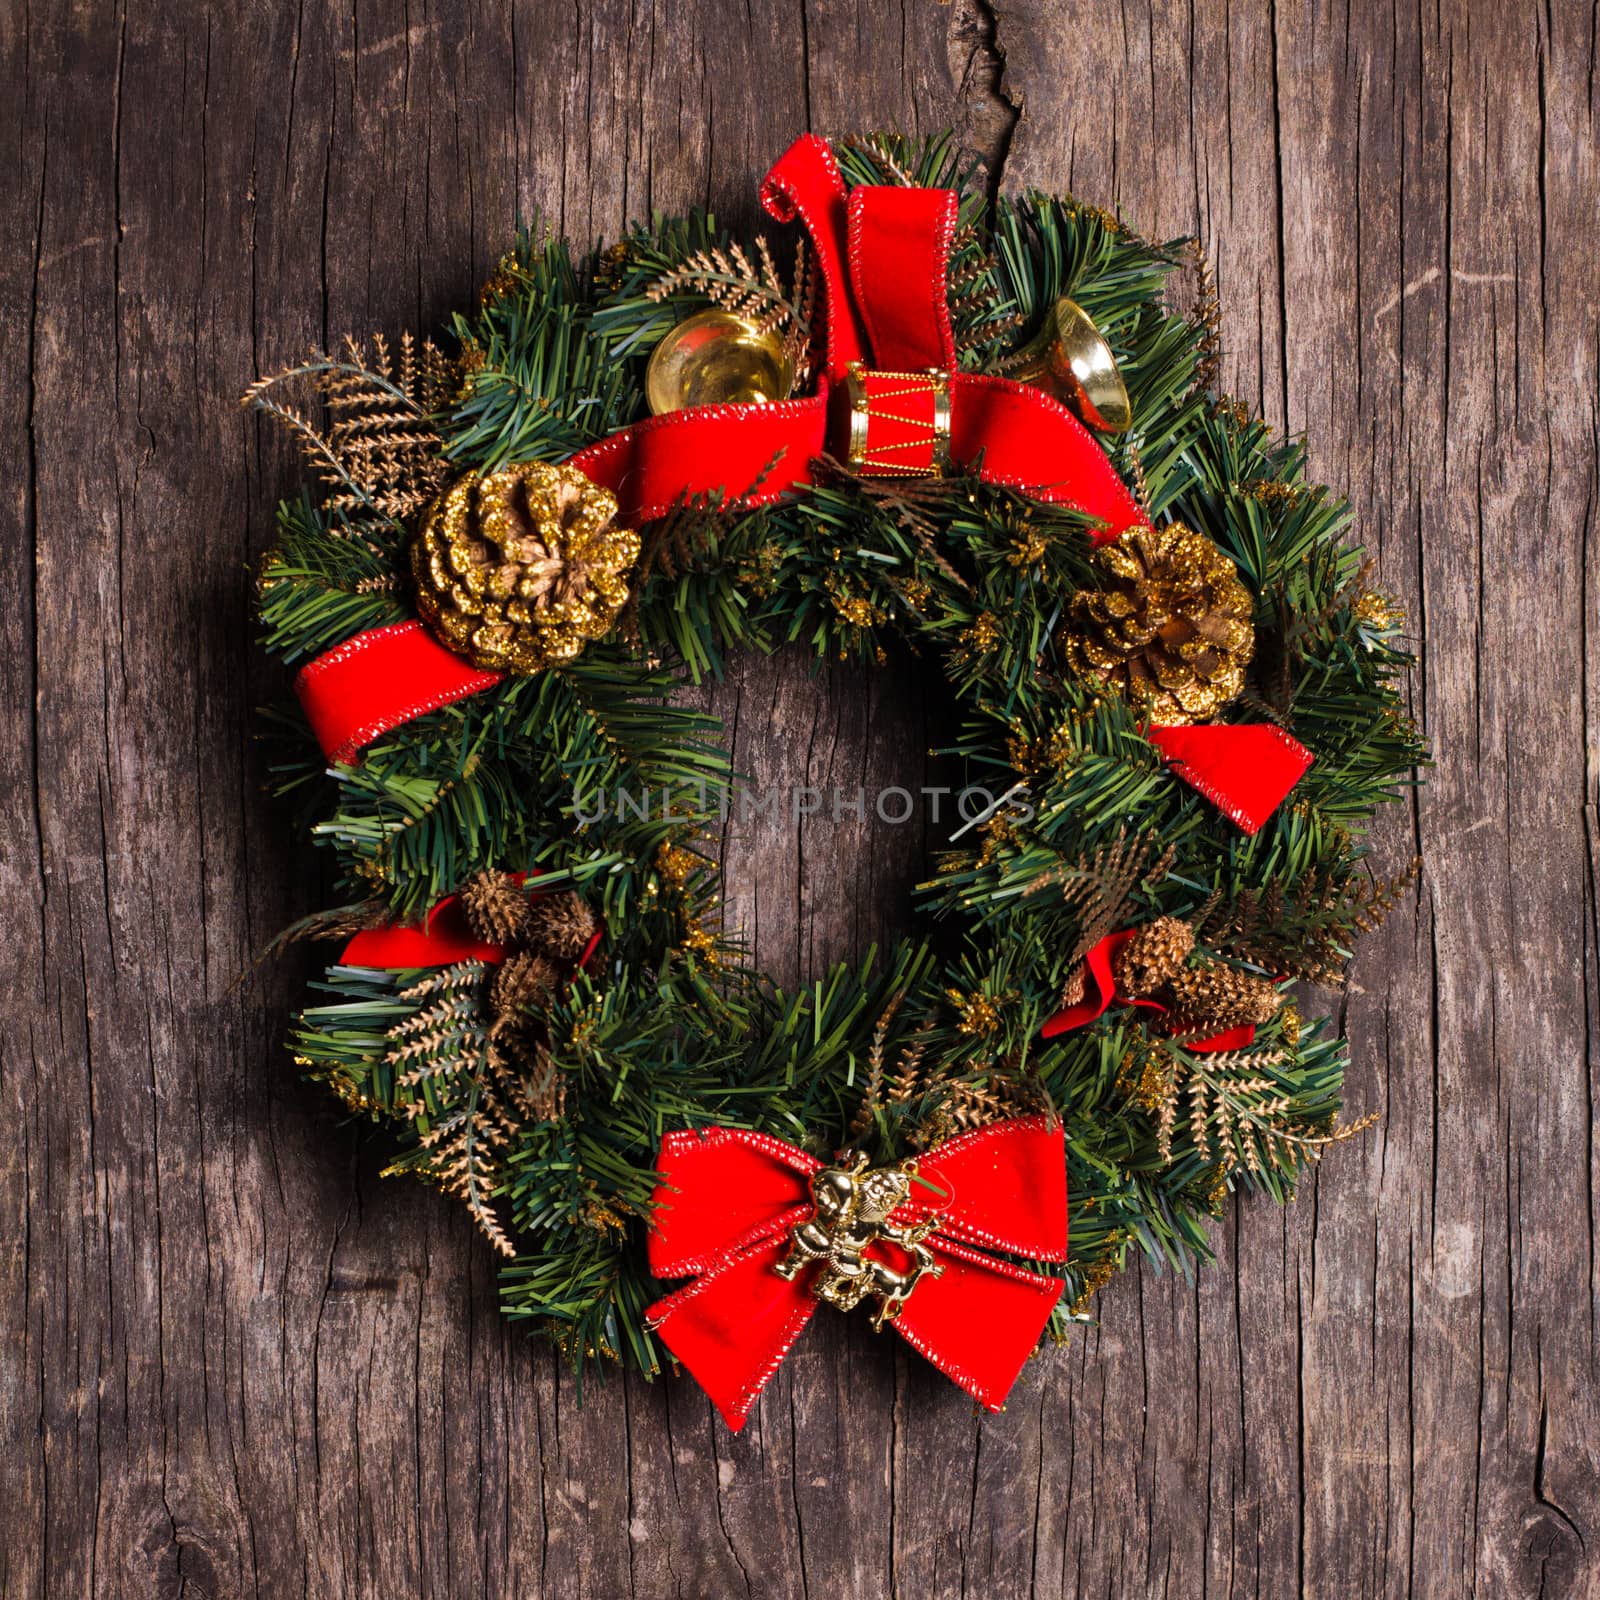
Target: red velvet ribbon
x=1101 y=992
x=1243 y=769
x=379 y=680
x=882 y=253
x=443 y=938
x=728 y=1199
x=896 y=242
x=883 y=257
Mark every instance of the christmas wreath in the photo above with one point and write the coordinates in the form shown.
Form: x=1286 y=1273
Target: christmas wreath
x=979 y=432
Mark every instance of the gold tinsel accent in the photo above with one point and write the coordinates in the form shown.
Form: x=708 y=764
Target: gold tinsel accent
x=1027 y=547
x=1170 y=626
x=675 y=865
x=854 y=609
x=916 y=593
x=1379 y=612
x=503 y=281
x=1096 y=1276
x=1153 y=956
x=984 y=634
x=520 y=568
x=1289 y=1025
x=702 y=943
x=606 y=1220
x=978 y=1013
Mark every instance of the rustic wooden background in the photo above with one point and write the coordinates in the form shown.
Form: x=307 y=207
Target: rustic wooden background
x=234 y=1362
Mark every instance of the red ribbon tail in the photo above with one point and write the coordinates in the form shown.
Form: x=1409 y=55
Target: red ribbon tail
x=1029 y=441
x=1244 y=770
x=733 y=1327
x=979 y=1320
x=805 y=185
x=379 y=680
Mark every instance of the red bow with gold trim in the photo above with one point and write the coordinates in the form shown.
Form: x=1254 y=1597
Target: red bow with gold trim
x=891 y=400
x=768 y=1232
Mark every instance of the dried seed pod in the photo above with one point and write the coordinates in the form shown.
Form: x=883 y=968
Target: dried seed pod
x=1204 y=1000
x=561 y=925
x=496 y=907
x=524 y=982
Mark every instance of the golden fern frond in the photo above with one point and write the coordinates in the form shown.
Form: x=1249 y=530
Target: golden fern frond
x=1098 y=888
x=1208 y=313
x=906 y=1082
x=1234 y=1100
x=471 y=1098
x=378 y=452
x=872 y=1092
x=459 y=976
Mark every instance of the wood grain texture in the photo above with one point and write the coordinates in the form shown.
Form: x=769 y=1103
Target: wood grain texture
x=235 y=1363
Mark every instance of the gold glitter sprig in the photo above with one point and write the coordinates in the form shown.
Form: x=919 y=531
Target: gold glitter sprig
x=378 y=452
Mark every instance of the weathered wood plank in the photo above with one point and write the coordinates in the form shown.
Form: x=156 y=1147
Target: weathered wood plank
x=235 y=1362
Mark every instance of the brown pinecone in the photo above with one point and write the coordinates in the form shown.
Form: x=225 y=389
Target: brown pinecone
x=561 y=925
x=1170 y=626
x=524 y=982
x=1205 y=1000
x=496 y=907
x=520 y=568
x=1153 y=956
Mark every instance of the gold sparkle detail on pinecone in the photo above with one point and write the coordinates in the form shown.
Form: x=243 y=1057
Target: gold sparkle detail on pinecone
x=520 y=568
x=1170 y=626
x=1155 y=955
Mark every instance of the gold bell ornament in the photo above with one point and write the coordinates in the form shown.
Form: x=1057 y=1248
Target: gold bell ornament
x=1070 y=359
x=715 y=358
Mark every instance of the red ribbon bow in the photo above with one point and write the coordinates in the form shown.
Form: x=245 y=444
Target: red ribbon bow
x=883 y=255
x=729 y=1201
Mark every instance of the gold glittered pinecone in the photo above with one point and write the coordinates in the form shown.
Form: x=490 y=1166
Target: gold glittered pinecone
x=519 y=568
x=1206 y=1000
x=1153 y=956
x=561 y=925
x=496 y=907
x=1170 y=626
